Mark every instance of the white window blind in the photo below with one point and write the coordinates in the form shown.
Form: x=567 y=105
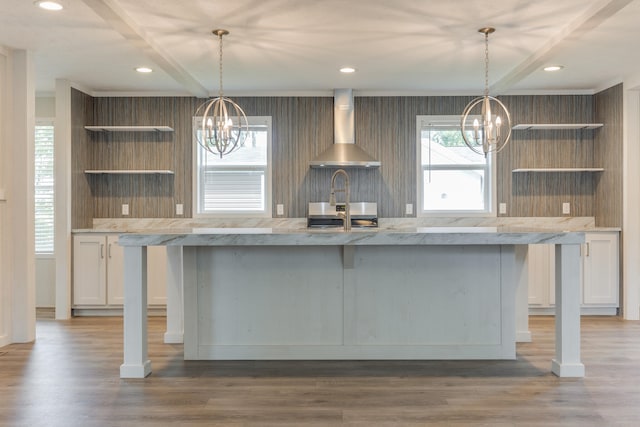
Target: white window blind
x=238 y=183
x=44 y=189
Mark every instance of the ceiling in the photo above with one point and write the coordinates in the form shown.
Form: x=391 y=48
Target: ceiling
x=297 y=46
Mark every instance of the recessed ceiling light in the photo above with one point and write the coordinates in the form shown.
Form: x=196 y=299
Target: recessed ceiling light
x=144 y=70
x=553 y=68
x=49 y=5
x=347 y=70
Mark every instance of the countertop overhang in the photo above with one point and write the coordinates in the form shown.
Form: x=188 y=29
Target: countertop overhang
x=308 y=237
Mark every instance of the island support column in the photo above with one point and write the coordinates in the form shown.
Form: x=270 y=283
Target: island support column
x=567 y=361
x=175 y=317
x=136 y=363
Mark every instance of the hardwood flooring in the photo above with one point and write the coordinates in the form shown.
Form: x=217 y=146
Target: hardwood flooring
x=69 y=377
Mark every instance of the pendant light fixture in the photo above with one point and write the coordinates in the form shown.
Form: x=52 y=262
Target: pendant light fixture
x=224 y=124
x=493 y=131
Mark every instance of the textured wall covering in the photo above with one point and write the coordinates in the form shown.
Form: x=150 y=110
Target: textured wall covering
x=608 y=151
x=542 y=194
x=303 y=128
x=82 y=200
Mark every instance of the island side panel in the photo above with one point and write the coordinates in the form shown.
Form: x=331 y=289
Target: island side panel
x=397 y=302
x=267 y=302
x=434 y=301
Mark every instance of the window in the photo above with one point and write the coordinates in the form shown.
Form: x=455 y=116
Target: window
x=452 y=179
x=238 y=184
x=44 y=227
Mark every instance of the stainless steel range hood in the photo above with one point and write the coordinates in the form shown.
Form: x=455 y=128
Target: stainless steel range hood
x=344 y=153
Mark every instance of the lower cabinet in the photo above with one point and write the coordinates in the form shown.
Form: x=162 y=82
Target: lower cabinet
x=98 y=273
x=599 y=275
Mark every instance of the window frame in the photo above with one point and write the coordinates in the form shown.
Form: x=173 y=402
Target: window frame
x=268 y=209
x=490 y=173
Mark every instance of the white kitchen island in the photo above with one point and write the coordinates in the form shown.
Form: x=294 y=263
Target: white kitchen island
x=421 y=293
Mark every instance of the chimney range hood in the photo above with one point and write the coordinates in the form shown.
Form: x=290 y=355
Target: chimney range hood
x=344 y=153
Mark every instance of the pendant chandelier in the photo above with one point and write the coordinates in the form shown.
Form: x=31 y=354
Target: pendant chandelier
x=492 y=132
x=224 y=124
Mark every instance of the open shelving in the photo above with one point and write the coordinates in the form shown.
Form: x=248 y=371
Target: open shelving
x=557 y=126
x=129 y=172
x=558 y=170
x=129 y=128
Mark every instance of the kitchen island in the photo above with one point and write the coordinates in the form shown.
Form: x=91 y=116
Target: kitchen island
x=416 y=293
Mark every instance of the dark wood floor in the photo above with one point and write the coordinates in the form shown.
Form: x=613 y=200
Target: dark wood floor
x=69 y=377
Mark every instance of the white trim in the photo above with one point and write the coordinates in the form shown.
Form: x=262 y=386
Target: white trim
x=268 y=212
x=5 y=221
x=631 y=200
x=490 y=198
x=62 y=202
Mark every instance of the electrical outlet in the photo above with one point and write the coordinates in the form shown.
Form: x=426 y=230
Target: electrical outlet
x=409 y=209
x=125 y=209
x=566 y=208
x=179 y=209
x=279 y=209
x=502 y=208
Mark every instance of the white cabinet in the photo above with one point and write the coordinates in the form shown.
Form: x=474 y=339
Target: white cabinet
x=541 y=275
x=600 y=270
x=599 y=275
x=98 y=272
x=89 y=270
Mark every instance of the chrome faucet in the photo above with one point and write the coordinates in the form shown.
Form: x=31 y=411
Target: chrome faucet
x=346 y=215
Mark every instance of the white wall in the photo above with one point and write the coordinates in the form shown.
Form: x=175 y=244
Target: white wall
x=17 y=258
x=45 y=107
x=631 y=200
x=5 y=289
x=45 y=281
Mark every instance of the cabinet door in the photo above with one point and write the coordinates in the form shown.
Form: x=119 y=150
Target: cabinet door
x=600 y=265
x=115 y=271
x=157 y=275
x=89 y=263
x=541 y=269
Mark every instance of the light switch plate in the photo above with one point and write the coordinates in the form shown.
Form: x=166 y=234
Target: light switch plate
x=279 y=209
x=566 y=208
x=502 y=208
x=179 y=209
x=125 y=209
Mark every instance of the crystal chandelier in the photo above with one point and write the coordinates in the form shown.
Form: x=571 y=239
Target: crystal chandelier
x=224 y=124
x=492 y=132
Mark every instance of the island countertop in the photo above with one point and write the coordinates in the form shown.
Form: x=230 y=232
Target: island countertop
x=358 y=237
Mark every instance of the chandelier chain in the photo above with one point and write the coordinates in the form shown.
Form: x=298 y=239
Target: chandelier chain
x=220 y=64
x=486 y=64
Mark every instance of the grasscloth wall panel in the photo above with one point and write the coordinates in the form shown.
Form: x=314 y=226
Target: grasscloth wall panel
x=303 y=127
x=542 y=194
x=608 y=149
x=82 y=198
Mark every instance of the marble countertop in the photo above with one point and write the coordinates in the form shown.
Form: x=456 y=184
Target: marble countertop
x=257 y=236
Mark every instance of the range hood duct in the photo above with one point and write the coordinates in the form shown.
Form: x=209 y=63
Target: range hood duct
x=344 y=153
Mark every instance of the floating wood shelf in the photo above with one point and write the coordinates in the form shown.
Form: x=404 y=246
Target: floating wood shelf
x=556 y=126
x=129 y=128
x=129 y=172
x=558 y=170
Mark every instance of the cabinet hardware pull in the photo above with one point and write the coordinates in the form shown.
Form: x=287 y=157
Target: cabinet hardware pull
x=587 y=245
x=109 y=251
x=101 y=250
